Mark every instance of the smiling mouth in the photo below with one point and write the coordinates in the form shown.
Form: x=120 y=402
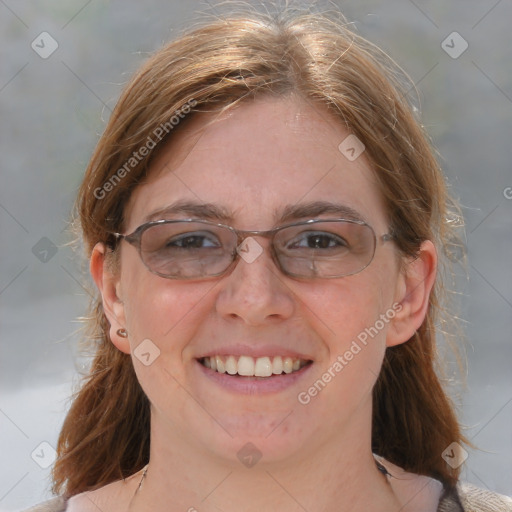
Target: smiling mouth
x=246 y=366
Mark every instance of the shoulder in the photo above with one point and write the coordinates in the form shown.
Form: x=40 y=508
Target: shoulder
x=474 y=499
x=418 y=492
x=55 y=505
x=114 y=497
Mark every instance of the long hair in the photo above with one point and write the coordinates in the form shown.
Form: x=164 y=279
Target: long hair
x=215 y=66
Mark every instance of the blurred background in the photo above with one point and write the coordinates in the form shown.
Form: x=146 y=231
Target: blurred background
x=62 y=67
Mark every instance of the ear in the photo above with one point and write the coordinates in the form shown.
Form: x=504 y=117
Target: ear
x=413 y=290
x=108 y=285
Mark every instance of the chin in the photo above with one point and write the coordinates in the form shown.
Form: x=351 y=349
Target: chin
x=258 y=439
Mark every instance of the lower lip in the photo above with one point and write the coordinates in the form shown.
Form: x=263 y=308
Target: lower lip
x=254 y=385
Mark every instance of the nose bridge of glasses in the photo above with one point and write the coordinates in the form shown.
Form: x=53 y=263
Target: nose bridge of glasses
x=250 y=251
x=243 y=234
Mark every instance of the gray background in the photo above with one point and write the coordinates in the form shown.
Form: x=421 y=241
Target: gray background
x=52 y=111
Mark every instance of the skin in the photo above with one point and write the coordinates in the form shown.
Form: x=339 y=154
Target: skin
x=315 y=456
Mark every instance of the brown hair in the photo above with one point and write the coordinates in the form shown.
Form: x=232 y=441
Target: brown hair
x=105 y=436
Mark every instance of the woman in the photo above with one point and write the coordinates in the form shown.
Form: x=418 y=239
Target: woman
x=263 y=217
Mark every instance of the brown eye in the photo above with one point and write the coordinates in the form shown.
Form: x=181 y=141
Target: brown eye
x=317 y=240
x=193 y=241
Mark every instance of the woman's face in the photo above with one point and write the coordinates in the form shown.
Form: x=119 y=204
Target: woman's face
x=258 y=161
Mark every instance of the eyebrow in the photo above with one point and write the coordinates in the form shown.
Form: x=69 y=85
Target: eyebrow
x=290 y=213
x=208 y=211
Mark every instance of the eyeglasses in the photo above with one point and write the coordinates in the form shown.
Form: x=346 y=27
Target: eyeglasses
x=195 y=249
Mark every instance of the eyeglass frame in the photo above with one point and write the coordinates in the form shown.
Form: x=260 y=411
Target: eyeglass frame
x=134 y=238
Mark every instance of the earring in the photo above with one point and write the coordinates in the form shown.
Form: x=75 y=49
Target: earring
x=122 y=333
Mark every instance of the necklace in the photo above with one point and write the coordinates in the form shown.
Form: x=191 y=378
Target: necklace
x=380 y=467
x=144 y=470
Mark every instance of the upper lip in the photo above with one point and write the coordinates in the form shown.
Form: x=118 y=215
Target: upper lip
x=238 y=350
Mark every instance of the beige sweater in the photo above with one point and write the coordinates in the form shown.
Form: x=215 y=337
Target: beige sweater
x=465 y=498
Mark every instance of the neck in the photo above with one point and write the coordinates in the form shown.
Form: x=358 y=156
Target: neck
x=339 y=475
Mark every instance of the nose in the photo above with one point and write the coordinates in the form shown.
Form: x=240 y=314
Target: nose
x=255 y=291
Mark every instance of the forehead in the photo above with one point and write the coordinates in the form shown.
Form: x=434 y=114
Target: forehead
x=257 y=160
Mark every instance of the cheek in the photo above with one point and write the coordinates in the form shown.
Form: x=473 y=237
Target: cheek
x=353 y=316
x=160 y=309
x=161 y=317
x=349 y=306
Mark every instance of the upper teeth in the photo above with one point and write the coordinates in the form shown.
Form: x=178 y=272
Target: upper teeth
x=253 y=367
